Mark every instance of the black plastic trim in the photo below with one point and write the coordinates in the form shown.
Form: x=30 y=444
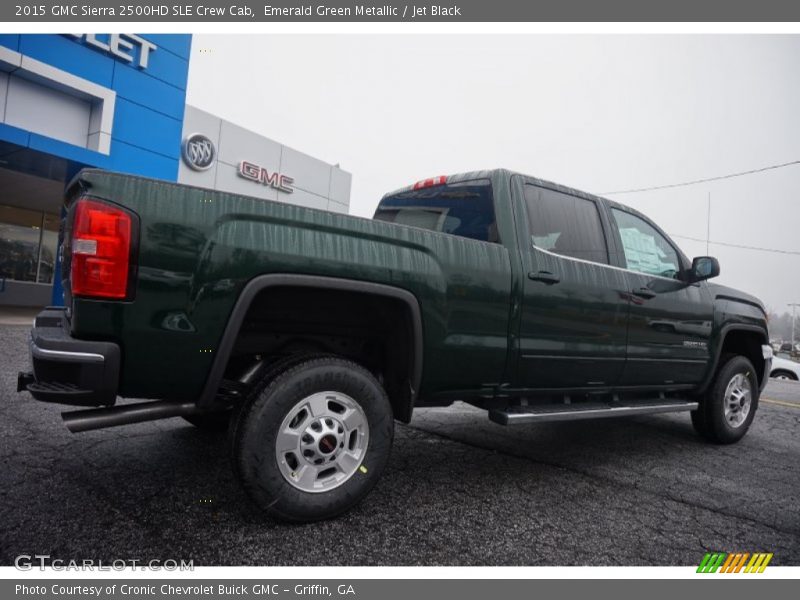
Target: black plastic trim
x=262 y=282
x=724 y=331
x=67 y=370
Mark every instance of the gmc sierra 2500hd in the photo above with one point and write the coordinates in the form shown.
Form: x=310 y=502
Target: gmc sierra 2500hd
x=308 y=333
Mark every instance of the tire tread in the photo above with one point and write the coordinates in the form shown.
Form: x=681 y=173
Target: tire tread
x=249 y=458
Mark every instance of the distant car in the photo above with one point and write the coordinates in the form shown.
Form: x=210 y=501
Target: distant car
x=785 y=347
x=783 y=368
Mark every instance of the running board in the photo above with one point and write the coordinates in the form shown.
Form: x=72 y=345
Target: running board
x=574 y=412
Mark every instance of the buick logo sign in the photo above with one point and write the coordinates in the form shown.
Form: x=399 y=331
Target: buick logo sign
x=198 y=152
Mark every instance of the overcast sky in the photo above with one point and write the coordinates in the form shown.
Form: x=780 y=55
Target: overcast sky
x=595 y=112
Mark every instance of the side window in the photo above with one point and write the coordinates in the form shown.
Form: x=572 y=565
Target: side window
x=646 y=250
x=565 y=224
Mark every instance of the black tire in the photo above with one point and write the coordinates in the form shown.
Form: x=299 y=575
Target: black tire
x=270 y=372
x=220 y=421
x=213 y=422
x=709 y=419
x=260 y=419
x=781 y=374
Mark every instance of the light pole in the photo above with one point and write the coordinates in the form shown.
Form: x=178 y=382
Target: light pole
x=794 y=306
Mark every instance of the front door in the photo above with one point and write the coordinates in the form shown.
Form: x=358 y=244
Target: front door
x=670 y=321
x=574 y=306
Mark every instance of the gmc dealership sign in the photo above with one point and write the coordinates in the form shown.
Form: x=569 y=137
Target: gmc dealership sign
x=253 y=172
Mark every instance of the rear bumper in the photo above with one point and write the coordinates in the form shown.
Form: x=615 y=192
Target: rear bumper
x=68 y=370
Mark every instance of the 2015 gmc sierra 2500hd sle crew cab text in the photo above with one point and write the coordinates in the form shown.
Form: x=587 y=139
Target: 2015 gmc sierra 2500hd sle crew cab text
x=307 y=333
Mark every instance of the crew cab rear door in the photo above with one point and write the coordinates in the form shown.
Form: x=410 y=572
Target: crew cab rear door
x=574 y=307
x=669 y=326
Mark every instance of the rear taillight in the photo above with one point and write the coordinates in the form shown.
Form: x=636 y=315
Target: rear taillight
x=101 y=249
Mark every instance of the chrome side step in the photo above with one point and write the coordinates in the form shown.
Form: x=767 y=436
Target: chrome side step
x=574 y=412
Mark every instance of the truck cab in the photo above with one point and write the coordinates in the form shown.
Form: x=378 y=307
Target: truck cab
x=603 y=300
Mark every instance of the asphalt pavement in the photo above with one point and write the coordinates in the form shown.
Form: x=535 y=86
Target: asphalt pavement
x=459 y=490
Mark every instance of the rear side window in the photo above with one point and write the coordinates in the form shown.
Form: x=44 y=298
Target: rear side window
x=465 y=209
x=646 y=250
x=565 y=224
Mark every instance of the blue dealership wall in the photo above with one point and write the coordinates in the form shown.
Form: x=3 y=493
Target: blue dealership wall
x=148 y=111
x=148 y=114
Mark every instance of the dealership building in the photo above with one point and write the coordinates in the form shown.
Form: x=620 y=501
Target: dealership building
x=118 y=102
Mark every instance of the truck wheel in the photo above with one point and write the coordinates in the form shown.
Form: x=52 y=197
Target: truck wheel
x=224 y=420
x=271 y=372
x=728 y=407
x=314 y=441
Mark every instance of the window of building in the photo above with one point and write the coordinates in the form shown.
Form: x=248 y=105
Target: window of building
x=28 y=244
x=565 y=224
x=465 y=209
x=646 y=250
x=49 y=248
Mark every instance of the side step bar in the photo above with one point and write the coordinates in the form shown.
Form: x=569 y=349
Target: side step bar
x=574 y=412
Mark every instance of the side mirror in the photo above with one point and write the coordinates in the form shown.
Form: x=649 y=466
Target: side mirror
x=703 y=267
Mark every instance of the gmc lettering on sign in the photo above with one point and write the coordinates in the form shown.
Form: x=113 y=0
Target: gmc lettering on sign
x=253 y=172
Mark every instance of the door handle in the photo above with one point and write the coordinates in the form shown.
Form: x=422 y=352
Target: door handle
x=544 y=276
x=644 y=292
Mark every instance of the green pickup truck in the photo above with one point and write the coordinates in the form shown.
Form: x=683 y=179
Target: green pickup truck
x=306 y=334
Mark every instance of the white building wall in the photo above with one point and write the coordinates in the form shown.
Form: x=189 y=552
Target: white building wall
x=43 y=110
x=317 y=184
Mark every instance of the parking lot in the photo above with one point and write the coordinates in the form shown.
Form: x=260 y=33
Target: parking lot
x=459 y=490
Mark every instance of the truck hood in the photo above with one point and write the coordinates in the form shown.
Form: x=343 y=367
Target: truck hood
x=729 y=293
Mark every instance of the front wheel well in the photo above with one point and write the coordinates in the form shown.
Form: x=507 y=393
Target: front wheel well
x=747 y=344
x=789 y=374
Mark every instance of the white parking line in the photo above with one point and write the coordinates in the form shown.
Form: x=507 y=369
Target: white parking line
x=780 y=403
